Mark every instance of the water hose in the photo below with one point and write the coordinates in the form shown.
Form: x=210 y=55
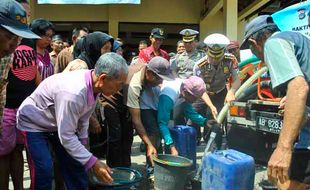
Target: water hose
x=205 y=153
x=242 y=88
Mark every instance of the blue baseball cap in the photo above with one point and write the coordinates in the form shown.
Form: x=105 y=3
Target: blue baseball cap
x=254 y=26
x=13 y=18
x=158 y=33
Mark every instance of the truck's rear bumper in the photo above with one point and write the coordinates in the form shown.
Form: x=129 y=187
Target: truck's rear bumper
x=256 y=143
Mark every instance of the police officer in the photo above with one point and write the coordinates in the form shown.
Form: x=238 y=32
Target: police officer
x=184 y=63
x=215 y=69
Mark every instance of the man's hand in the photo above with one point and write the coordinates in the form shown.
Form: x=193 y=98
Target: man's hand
x=214 y=112
x=95 y=129
x=230 y=97
x=150 y=151
x=279 y=164
x=282 y=103
x=102 y=172
x=173 y=150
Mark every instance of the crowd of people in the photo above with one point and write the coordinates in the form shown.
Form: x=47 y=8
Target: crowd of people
x=56 y=104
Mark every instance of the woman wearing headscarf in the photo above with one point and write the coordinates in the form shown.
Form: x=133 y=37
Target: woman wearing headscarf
x=91 y=47
x=94 y=45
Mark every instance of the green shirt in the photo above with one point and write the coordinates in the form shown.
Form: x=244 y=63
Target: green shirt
x=282 y=63
x=165 y=107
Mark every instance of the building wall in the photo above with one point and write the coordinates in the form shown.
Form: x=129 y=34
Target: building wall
x=212 y=24
x=215 y=24
x=166 y=11
x=149 y=11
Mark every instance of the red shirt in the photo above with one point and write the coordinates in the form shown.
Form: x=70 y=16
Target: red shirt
x=148 y=53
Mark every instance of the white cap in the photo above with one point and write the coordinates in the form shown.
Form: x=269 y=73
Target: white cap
x=216 y=39
x=217 y=44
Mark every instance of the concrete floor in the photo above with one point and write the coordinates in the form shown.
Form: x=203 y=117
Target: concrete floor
x=138 y=162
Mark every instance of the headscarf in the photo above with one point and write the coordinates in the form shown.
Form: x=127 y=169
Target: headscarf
x=116 y=45
x=92 y=45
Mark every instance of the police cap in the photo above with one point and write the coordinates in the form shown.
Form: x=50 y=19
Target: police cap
x=217 y=44
x=189 y=35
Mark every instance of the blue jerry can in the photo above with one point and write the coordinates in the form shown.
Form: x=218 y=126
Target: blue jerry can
x=184 y=138
x=228 y=170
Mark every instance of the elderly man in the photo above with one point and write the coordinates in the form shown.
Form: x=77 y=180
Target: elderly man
x=286 y=55
x=142 y=101
x=57 y=45
x=58 y=112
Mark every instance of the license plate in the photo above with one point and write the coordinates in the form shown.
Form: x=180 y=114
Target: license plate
x=270 y=125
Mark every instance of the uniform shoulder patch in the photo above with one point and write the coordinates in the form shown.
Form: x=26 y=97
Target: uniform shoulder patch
x=201 y=64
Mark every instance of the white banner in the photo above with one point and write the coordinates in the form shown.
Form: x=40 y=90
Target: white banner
x=93 y=2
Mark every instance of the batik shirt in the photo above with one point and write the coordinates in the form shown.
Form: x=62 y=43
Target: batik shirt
x=4 y=70
x=45 y=66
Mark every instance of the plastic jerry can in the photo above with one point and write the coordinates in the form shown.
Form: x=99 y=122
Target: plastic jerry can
x=228 y=170
x=184 y=138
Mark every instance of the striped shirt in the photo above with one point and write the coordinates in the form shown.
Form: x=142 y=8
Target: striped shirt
x=45 y=66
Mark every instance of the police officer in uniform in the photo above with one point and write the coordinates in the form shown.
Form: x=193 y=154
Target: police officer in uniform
x=215 y=69
x=184 y=63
